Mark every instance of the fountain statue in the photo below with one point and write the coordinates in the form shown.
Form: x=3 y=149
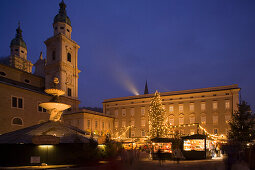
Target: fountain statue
x=54 y=107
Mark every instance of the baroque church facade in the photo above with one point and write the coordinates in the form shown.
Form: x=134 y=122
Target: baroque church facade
x=22 y=91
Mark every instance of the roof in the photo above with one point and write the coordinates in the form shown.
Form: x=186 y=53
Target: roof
x=89 y=112
x=61 y=16
x=18 y=40
x=66 y=133
x=171 y=93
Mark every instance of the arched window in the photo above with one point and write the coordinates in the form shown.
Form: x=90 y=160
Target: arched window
x=53 y=55
x=17 y=121
x=69 y=57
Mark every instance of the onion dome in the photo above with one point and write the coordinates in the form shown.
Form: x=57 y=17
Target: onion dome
x=18 y=40
x=61 y=16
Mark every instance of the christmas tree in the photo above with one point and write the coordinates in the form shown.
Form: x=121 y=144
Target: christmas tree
x=241 y=125
x=157 y=126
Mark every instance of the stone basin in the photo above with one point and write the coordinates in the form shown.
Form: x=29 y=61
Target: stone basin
x=53 y=105
x=55 y=92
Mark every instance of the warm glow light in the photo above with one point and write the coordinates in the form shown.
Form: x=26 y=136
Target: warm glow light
x=46 y=146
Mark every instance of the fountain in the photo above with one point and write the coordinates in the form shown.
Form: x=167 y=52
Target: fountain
x=54 y=107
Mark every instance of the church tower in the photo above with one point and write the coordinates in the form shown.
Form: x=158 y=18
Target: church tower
x=62 y=55
x=18 y=57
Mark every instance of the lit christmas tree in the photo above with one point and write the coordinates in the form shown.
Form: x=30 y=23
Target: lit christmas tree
x=157 y=112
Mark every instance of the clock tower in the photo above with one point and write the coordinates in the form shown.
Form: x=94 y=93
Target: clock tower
x=62 y=55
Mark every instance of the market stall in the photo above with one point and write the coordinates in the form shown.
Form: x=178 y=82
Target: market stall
x=162 y=144
x=197 y=146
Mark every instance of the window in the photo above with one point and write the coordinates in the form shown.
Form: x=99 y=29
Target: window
x=88 y=124
x=203 y=106
x=192 y=119
x=67 y=30
x=192 y=131
x=56 y=28
x=22 y=51
x=16 y=50
x=17 y=121
x=40 y=109
x=96 y=124
x=227 y=118
x=132 y=133
x=53 y=55
x=227 y=93
x=17 y=102
x=132 y=111
x=171 y=121
x=2 y=73
x=142 y=111
x=171 y=108
x=164 y=106
x=227 y=104
x=69 y=92
x=103 y=125
x=123 y=123
x=142 y=122
x=123 y=112
x=215 y=131
x=203 y=119
x=143 y=133
x=132 y=123
x=116 y=123
x=181 y=108
x=61 y=28
x=215 y=105
x=191 y=107
x=181 y=120
x=214 y=94
x=215 y=119
x=116 y=112
x=69 y=57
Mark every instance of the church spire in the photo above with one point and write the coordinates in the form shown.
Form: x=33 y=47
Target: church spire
x=146 y=91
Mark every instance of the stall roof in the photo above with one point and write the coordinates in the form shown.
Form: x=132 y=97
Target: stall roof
x=195 y=136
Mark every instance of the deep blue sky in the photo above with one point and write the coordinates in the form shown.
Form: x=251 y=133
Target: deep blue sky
x=174 y=44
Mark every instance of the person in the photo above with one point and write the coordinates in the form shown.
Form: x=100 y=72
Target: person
x=159 y=154
x=178 y=155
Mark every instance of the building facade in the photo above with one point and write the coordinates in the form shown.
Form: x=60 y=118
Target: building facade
x=21 y=91
x=205 y=110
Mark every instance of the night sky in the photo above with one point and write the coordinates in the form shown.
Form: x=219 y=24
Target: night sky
x=174 y=44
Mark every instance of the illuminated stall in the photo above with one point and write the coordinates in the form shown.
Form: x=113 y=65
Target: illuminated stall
x=197 y=146
x=165 y=146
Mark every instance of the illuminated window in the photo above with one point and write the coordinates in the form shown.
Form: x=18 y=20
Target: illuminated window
x=143 y=133
x=142 y=111
x=132 y=111
x=116 y=123
x=171 y=121
x=203 y=119
x=215 y=105
x=69 y=57
x=132 y=133
x=123 y=123
x=203 y=106
x=227 y=104
x=164 y=107
x=116 y=112
x=96 y=124
x=17 y=121
x=132 y=123
x=88 y=124
x=123 y=112
x=103 y=125
x=181 y=120
x=192 y=131
x=227 y=118
x=171 y=108
x=17 y=102
x=181 y=108
x=40 y=109
x=142 y=122
x=215 y=119
x=192 y=119
x=191 y=107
